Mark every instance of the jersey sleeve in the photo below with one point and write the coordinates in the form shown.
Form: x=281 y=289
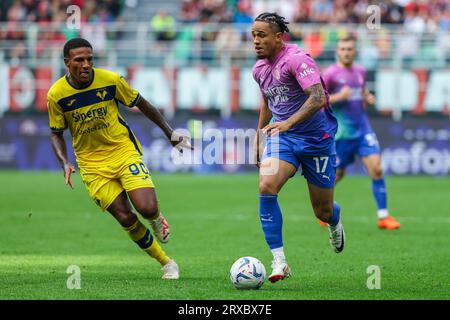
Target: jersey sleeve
x=57 y=121
x=125 y=94
x=305 y=70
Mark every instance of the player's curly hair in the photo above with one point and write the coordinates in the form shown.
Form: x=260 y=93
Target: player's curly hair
x=74 y=44
x=274 y=19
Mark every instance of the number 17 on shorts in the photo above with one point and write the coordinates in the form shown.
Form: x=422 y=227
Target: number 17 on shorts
x=320 y=171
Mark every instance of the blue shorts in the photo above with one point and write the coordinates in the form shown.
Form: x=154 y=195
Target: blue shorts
x=317 y=161
x=363 y=146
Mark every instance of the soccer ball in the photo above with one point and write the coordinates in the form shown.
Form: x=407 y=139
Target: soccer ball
x=247 y=273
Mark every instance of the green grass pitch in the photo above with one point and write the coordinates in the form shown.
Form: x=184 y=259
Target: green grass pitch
x=46 y=227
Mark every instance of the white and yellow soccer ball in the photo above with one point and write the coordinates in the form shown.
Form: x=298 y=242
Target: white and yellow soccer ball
x=247 y=273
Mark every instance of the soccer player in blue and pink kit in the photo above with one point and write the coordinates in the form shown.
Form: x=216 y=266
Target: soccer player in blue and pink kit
x=299 y=123
x=346 y=82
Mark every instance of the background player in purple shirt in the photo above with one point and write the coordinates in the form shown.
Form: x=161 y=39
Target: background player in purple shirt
x=301 y=134
x=346 y=82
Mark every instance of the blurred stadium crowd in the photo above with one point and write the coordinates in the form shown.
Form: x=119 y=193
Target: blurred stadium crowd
x=44 y=11
x=420 y=15
x=193 y=59
x=49 y=19
x=217 y=28
x=430 y=14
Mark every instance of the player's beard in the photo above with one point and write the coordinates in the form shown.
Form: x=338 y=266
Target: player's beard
x=260 y=56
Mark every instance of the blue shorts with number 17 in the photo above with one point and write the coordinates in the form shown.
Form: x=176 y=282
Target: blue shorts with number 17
x=317 y=160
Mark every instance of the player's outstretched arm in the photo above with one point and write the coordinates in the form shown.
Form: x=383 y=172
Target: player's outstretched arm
x=59 y=147
x=178 y=141
x=316 y=100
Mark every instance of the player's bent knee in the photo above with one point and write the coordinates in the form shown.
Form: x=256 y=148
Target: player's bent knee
x=266 y=187
x=323 y=212
x=377 y=173
x=126 y=219
x=149 y=211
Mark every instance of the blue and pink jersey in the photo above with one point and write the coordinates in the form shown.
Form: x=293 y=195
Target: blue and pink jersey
x=351 y=114
x=283 y=82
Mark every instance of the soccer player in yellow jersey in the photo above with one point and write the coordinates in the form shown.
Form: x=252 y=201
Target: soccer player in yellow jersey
x=107 y=151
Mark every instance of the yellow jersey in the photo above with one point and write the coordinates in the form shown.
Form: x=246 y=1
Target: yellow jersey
x=99 y=133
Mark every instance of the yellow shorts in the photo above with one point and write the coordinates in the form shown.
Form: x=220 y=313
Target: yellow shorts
x=105 y=183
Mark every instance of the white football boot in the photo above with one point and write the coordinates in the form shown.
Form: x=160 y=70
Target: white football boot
x=337 y=237
x=161 y=228
x=171 y=270
x=280 y=270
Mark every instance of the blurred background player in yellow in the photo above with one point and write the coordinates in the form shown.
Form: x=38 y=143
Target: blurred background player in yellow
x=346 y=82
x=108 y=153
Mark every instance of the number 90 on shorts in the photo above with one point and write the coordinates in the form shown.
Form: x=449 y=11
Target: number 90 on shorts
x=105 y=183
x=136 y=169
x=136 y=175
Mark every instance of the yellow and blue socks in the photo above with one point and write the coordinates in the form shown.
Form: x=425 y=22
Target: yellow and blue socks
x=271 y=220
x=141 y=235
x=380 y=195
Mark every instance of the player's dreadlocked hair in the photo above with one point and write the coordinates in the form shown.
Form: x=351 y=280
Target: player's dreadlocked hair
x=274 y=19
